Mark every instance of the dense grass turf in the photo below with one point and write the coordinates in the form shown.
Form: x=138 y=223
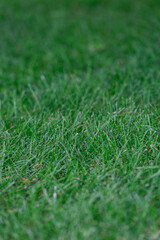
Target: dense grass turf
x=79 y=119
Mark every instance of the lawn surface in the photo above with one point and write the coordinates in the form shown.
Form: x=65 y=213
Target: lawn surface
x=79 y=120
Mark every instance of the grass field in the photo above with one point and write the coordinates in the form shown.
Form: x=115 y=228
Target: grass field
x=80 y=120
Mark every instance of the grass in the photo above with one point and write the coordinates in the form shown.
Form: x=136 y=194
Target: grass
x=79 y=120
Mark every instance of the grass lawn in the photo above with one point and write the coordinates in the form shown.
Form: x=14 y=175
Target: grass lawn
x=80 y=120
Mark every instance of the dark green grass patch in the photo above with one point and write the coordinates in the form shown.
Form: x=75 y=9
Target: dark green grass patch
x=79 y=120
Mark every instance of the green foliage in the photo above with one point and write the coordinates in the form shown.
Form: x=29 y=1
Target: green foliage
x=79 y=119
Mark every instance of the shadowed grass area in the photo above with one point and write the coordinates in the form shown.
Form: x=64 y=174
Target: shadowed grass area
x=79 y=120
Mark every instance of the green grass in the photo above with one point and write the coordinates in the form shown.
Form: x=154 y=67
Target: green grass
x=79 y=120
